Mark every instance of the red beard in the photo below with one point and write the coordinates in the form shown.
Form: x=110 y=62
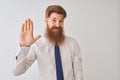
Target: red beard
x=55 y=37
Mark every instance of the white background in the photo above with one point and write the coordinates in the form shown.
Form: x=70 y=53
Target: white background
x=95 y=24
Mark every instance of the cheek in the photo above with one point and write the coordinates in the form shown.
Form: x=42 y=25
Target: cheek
x=62 y=25
x=50 y=25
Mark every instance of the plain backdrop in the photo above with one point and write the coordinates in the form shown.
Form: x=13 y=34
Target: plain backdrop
x=95 y=24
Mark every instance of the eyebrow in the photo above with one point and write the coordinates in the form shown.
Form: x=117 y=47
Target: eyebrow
x=56 y=18
x=53 y=18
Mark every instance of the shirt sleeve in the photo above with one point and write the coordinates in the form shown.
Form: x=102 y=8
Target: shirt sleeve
x=24 y=60
x=77 y=63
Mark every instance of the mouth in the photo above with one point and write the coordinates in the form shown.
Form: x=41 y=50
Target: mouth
x=56 y=29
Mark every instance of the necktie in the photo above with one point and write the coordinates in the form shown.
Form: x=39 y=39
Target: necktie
x=59 y=71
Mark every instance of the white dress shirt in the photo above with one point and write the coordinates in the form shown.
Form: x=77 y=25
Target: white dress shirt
x=43 y=52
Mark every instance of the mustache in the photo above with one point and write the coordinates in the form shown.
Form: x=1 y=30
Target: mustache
x=55 y=27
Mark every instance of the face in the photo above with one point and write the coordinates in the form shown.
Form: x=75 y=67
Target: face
x=55 y=21
x=54 y=30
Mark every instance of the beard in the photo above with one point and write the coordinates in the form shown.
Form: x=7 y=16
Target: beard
x=55 y=37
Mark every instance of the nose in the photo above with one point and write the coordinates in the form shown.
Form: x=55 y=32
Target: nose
x=57 y=24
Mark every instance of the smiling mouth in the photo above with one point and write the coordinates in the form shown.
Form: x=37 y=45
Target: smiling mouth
x=56 y=29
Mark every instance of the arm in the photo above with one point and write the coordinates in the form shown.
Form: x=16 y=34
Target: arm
x=77 y=63
x=25 y=59
x=22 y=61
x=26 y=55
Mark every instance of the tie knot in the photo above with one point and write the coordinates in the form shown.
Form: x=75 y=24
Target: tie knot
x=56 y=45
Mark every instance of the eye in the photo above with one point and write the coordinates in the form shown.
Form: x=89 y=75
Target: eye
x=53 y=20
x=61 y=21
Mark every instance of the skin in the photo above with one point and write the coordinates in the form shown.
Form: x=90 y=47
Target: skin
x=26 y=33
x=55 y=20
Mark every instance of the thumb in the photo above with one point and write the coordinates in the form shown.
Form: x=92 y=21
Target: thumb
x=37 y=37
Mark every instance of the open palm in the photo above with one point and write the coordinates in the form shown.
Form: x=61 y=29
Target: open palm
x=26 y=34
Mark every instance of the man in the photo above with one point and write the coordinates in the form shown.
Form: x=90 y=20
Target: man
x=58 y=56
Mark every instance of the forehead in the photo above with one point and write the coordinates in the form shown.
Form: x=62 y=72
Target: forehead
x=56 y=16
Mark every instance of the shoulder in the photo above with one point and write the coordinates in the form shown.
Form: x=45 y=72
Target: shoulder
x=72 y=44
x=40 y=42
x=70 y=40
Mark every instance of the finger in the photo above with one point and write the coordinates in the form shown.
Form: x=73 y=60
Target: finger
x=31 y=25
x=22 y=28
x=37 y=37
x=28 y=24
x=25 y=25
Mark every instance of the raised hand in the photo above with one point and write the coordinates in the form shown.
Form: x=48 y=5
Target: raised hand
x=26 y=34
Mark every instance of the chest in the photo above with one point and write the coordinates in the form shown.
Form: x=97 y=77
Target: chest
x=46 y=55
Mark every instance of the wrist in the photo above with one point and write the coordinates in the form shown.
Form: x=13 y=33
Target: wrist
x=21 y=45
